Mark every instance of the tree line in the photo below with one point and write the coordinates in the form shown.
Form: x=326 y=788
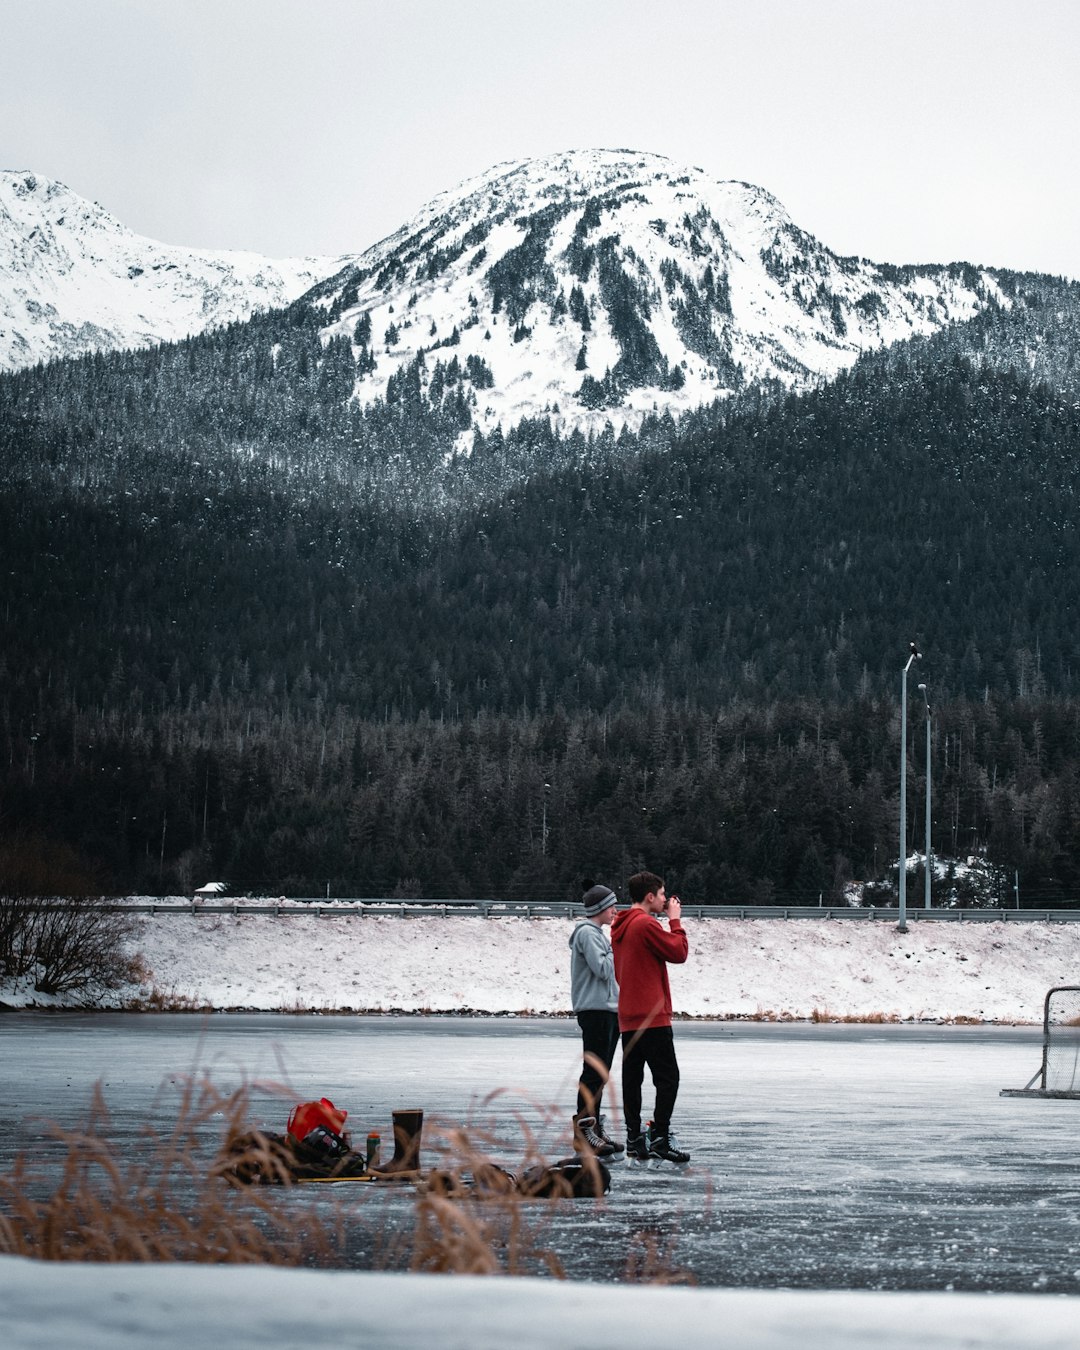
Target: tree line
x=781 y=803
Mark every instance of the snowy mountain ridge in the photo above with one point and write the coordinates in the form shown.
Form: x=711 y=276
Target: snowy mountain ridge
x=589 y=286
x=73 y=279
x=599 y=284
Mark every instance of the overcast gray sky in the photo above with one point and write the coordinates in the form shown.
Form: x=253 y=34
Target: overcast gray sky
x=907 y=131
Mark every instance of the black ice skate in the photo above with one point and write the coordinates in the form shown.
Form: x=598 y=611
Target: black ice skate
x=618 y=1150
x=588 y=1139
x=665 y=1153
x=637 y=1151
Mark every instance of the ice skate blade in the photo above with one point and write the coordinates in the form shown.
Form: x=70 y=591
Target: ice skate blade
x=658 y=1167
x=608 y=1159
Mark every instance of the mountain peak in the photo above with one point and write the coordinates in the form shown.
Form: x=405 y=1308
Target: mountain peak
x=77 y=280
x=575 y=176
x=595 y=285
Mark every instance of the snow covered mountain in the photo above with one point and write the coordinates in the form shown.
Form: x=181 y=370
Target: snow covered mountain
x=590 y=286
x=73 y=279
x=595 y=285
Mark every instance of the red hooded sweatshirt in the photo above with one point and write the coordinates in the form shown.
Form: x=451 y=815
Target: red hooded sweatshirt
x=643 y=948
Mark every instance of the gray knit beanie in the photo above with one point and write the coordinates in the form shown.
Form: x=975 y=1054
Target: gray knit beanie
x=596 y=899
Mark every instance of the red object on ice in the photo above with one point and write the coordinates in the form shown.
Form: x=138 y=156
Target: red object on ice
x=310 y=1115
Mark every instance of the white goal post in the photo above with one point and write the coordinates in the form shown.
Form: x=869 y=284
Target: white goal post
x=1059 y=1073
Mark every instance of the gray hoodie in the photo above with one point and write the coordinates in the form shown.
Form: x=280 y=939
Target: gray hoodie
x=592 y=969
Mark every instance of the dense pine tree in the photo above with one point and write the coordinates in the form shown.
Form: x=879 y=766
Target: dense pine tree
x=249 y=627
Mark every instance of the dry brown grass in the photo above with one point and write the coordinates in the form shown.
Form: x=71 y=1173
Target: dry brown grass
x=870 y=1018
x=481 y=1229
x=165 y=1000
x=174 y=1196
x=157 y=1200
x=471 y=1216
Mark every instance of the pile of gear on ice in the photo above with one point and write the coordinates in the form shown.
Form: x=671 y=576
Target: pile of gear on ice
x=316 y=1148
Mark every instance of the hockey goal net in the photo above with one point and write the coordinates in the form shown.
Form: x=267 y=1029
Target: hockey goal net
x=1059 y=1073
x=1061 y=1040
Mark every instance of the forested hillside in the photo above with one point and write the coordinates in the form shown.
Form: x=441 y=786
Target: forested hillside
x=251 y=631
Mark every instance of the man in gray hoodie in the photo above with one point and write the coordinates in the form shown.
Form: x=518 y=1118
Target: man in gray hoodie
x=594 y=993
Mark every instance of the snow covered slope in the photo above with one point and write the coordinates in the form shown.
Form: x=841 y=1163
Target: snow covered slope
x=764 y=968
x=73 y=279
x=587 y=286
x=600 y=283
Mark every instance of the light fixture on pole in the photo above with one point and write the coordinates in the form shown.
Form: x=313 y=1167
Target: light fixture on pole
x=902 y=898
x=926 y=869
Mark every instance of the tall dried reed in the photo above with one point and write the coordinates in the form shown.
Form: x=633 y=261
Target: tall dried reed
x=472 y=1215
x=170 y=1196
x=156 y=1199
x=178 y=1195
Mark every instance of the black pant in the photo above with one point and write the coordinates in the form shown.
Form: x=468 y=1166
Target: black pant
x=654 y=1046
x=599 y=1037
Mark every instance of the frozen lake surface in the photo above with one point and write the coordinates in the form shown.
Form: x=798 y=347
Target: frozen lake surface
x=824 y=1156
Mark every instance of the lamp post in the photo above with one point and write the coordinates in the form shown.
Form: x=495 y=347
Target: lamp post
x=902 y=898
x=926 y=869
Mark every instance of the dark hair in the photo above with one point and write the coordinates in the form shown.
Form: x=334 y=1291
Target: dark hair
x=642 y=884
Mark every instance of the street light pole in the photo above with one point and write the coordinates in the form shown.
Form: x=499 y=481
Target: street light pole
x=926 y=869
x=902 y=906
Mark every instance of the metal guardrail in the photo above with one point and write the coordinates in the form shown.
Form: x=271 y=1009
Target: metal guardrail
x=411 y=909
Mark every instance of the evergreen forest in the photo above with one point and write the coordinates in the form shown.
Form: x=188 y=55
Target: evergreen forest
x=251 y=631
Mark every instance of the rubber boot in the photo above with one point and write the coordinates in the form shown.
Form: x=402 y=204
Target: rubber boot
x=405 y=1164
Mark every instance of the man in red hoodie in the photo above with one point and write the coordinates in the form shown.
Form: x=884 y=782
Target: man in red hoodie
x=643 y=948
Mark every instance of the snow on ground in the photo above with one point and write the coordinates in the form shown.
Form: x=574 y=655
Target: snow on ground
x=174 y=1307
x=769 y=968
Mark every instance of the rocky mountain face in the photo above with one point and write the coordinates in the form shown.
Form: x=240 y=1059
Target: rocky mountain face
x=597 y=285
x=591 y=286
x=73 y=279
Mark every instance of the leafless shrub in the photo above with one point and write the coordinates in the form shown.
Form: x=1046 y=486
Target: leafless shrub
x=73 y=943
x=16 y=914
x=49 y=928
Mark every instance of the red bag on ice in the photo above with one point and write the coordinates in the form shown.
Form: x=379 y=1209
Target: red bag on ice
x=309 y=1116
